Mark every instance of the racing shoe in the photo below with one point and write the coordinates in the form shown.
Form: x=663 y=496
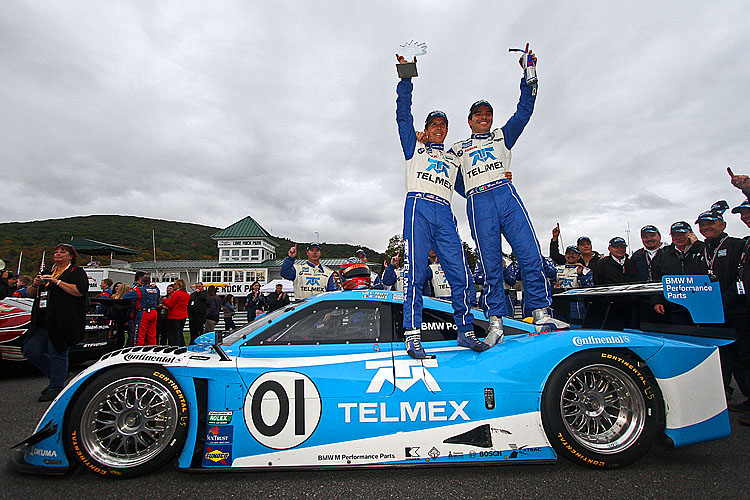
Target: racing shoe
x=468 y=339
x=495 y=334
x=544 y=323
x=414 y=345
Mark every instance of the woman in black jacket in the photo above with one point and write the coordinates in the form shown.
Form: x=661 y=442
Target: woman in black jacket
x=212 y=313
x=58 y=317
x=254 y=302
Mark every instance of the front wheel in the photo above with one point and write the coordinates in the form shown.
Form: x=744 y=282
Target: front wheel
x=602 y=409
x=128 y=422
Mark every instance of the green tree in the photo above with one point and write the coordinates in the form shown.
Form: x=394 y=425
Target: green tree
x=471 y=255
x=395 y=246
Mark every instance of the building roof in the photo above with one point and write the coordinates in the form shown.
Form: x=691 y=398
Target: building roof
x=245 y=228
x=93 y=247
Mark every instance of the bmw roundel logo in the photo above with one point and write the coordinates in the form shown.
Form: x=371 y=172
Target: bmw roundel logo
x=420 y=150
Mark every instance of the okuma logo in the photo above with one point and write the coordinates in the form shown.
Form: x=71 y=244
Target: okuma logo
x=312 y=280
x=482 y=155
x=440 y=167
x=402 y=373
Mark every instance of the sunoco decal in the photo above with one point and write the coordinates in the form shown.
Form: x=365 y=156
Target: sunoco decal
x=217 y=456
x=282 y=409
x=612 y=339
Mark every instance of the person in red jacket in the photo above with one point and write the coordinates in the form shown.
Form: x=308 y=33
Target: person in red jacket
x=177 y=313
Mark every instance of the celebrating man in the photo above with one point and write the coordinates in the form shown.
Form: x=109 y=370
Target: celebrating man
x=429 y=223
x=495 y=209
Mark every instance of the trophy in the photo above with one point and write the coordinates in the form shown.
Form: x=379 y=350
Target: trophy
x=410 y=51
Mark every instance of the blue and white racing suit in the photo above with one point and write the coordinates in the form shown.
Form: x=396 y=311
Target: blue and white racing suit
x=308 y=278
x=428 y=220
x=550 y=274
x=495 y=209
x=568 y=277
x=394 y=278
x=509 y=278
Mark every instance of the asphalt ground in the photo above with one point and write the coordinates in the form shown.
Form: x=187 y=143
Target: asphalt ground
x=718 y=469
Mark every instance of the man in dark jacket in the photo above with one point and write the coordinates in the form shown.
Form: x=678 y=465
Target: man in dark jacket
x=722 y=256
x=683 y=256
x=643 y=257
x=278 y=298
x=588 y=256
x=196 y=308
x=617 y=267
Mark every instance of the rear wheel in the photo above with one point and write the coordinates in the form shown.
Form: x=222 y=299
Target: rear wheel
x=128 y=422
x=602 y=409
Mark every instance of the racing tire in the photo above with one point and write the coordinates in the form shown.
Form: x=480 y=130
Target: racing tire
x=602 y=409
x=127 y=422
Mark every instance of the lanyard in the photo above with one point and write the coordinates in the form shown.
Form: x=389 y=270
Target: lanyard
x=705 y=254
x=743 y=259
x=56 y=273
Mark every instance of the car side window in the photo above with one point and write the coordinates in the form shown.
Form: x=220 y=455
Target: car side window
x=329 y=323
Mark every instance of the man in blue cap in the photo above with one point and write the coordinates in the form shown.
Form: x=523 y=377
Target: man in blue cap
x=429 y=223
x=643 y=257
x=588 y=256
x=616 y=268
x=375 y=281
x=683 y=256
x=743 y=329
x=310 y=277
x=722 y=255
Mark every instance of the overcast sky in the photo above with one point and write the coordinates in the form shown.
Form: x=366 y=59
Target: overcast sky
x=206 y=112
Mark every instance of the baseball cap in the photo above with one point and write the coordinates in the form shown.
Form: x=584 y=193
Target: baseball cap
x=720 y=206
x=744 y=204
x=313 y=244
x=583 y=238
x=617 y=242
x=649 y=229
x=572 y=248
x=709 y=216
x=680 y=227
x=359 y=250
x=435 y=114
x=474 y=107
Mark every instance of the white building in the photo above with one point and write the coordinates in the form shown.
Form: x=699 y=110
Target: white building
x=245 y=253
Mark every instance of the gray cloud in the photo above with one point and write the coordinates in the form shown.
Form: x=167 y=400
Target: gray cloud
x=285 y=111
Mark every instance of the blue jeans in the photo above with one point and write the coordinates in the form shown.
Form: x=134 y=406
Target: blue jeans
x=42 y=354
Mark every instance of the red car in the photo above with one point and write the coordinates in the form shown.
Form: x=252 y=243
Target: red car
x=15 y=317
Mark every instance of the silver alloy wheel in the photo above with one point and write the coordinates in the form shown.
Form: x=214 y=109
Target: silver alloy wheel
x=129 y=422
x=603 y=409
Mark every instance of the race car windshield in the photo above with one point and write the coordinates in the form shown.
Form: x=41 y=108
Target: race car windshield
x=247 y=330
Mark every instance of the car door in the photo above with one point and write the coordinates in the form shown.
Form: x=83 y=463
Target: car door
x=314 y=368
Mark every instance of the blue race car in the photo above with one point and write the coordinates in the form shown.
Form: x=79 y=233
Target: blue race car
x=326 y=383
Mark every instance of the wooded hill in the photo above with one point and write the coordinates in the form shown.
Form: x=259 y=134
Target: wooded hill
x=174 y=240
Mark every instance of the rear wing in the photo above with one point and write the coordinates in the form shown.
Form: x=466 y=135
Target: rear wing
x=630 y=306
